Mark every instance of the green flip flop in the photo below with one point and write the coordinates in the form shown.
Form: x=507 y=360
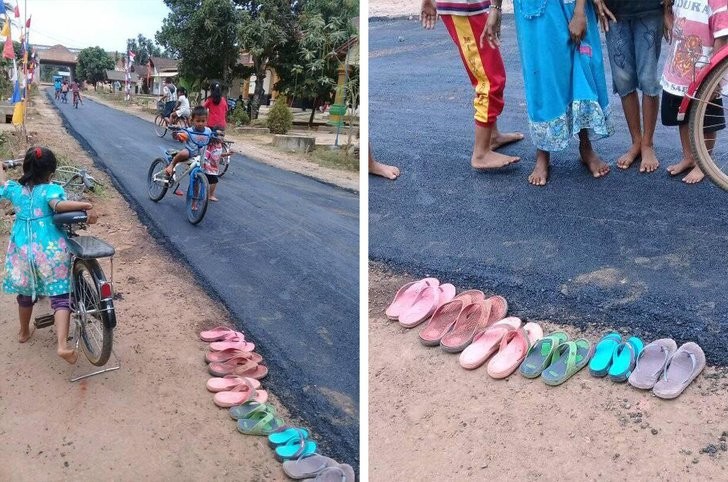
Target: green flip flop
x=567 y=359
x=245 y=410
x=261 y=423
x=540 y=354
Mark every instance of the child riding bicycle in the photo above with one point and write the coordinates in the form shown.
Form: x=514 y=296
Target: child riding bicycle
x=38 y=262
x=181 y=108
x=195 y=138
x=76 y=92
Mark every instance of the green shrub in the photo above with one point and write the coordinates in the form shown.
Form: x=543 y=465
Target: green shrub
x=239 y=117
x=280 y=118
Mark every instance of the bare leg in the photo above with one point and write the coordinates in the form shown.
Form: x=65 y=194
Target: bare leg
x=62 y=320
x=650 y=106
x=483 y=156
x=540 y=174
x=379 y=169
x=696 y=174
x=631 y=106
x=24 y=315
x=213 y=188
x=499 y=139
x=687 y=161
x=589 y=158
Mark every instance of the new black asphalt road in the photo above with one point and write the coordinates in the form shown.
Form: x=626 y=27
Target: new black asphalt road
x=280 y=250
x=645 y=253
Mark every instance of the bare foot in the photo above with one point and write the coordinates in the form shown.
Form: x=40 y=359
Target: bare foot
x=213 y=199
x=649 y=160
x=593 y=162
x=540 y=174
x=178 y=192
x=492 y=160
x=384 y=170
x=694 y=176
x=24 y=335
x=680 y=167
x=629 y=157
x=69 y=355
x=501 y=139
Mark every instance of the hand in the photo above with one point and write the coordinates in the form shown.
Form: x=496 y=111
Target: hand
x=492 y=30
x=667 y=29
x=428 y=15
x=92 y=217
x=604 y=14
x=577 y=27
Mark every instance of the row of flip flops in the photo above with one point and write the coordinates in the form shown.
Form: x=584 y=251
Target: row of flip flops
x=659 y=366
x=237 y=387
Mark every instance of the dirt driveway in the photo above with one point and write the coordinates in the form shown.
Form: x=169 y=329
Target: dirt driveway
x=153 y=416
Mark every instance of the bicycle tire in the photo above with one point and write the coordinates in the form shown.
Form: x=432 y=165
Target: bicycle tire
x=96 y=329
x=155 y=189
x=224 y=161
x=197 y=180
x=160 y=126
x=696 y=123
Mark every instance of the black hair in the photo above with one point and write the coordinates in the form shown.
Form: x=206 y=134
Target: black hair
x=198 y=111
x=216 y=92
x=38 y=165
x=167 y=80
x=181 y=91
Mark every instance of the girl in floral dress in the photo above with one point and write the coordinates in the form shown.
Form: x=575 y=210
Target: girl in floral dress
x=37 y=261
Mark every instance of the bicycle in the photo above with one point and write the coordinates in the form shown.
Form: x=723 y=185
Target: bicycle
x=162 y=125
x=709 y=90
x=76 y=99
x=75 y=181
x=225 y=158
x=64 y=97
x=158 y=183
x=91 y=295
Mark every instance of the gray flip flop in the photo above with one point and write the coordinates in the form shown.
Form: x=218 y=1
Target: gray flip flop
x=652 y=362
x=338 y=473
x=307 y=467
x=684 y=366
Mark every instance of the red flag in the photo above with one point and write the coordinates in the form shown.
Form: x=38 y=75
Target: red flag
x=27 y=22
x=17 y=10
x=8 y=51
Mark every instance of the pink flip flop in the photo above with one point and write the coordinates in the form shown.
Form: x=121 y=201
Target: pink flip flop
x=228 y=353
x=235 y=344
x=407 y=295
x=472 y=319
x=216 y=334
x=445 y=316
x=229 y=367
x=487 y=342
x=498 y=309
x=250 y=371
x=513 y=349
x=228 y=382
x=427 y=302
x=242 y=393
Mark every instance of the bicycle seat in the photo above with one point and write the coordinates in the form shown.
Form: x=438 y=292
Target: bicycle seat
x=89 y=247
x=72 y=217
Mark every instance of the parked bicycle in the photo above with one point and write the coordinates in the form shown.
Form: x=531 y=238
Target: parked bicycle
x=91 y=295
x=162 y=124
x=225 y=158
x=707 y=101
x=75 y=181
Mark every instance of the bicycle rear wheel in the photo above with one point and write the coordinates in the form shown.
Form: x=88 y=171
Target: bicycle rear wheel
x=93 y=308
x=224 y=160
x=197 y=194
x=708 y=111
x=160 y=125
x=156 y=186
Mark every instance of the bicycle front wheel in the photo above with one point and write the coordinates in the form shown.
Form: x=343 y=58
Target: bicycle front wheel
x=160 y=125
x=93 y=312
x=708 y=135
x=156 y=184
x=197 y=194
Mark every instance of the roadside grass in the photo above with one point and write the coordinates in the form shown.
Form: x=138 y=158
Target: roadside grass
x=335 y=158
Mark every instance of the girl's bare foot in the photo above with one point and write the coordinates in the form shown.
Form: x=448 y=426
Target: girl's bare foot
x=492 y=160
x=213 y=199
x=629 y=157
x=649 y=160
x=383 y=170
x=500 y=139
x=69 y=355
x=680 y=167
x=593 y=162
x=694 y=176
x=24 y=335
x=540 y=174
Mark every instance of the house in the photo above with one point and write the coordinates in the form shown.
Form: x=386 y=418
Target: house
x=246 y=87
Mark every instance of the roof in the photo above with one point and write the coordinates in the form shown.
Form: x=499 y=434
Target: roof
x=349 y=51
x=58 y=53
x=162 y=64
x=114 y=75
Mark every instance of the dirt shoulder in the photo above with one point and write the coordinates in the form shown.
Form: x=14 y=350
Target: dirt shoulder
x=434 y=420
x=153 y=416
x=259 y=148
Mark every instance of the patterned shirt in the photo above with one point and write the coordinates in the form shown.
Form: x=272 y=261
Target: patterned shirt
x=462 y=7
x=697 y=24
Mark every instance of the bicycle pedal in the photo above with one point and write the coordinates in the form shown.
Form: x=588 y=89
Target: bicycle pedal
x=44 y=321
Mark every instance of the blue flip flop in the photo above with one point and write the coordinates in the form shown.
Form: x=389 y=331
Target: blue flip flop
x=603 y=354
x=625 y=359
x=295 y=448
x=287 y=435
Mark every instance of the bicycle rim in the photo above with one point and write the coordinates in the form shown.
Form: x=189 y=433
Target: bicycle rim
x=160 y=126
x=95 y=317
x=156 y=187
x=224 y=161
x=708 y=109
x=197 y=194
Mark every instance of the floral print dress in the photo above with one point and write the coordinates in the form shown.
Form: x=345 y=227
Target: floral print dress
x=37 y=261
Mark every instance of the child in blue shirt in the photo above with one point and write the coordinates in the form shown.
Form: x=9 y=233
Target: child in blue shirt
x=196 y=137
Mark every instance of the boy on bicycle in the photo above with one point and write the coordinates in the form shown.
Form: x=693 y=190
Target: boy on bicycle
x=64 y=91
x=196 y=137
x=169 y=97
x=76 y=91
x=182 y=108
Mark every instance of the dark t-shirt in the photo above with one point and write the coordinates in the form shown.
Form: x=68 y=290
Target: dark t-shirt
x=634 y=8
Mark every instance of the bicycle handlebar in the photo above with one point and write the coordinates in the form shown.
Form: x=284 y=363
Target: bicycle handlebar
x=12 y=164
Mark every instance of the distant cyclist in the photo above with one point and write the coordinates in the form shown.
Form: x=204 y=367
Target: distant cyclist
x=76 y=93
x=57 y=85
x=182 y=106
x=64 y=92
x=169 y=97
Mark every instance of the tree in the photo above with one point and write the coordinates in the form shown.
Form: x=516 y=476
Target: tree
x=92 y=64
x=309 y=70
x=144 y=48
x=202 y=34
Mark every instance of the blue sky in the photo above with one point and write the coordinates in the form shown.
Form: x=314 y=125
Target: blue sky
x=88 y=23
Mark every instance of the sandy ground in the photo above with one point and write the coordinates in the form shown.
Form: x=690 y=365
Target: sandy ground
x=258 y=147
x=153 y=417
x=399 y=8
x=434 y=420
